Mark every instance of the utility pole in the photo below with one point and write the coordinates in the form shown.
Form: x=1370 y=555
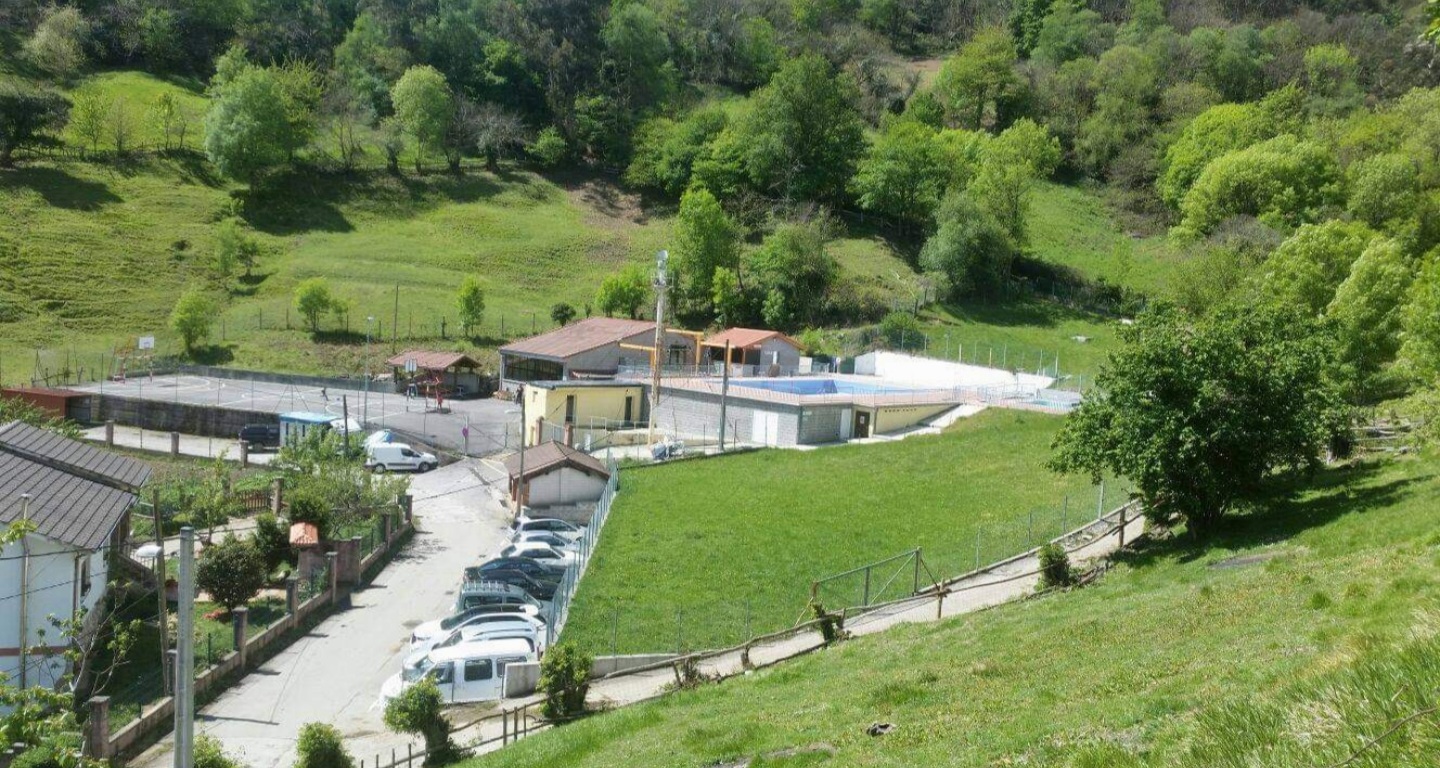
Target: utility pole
x=395 y=323
x=165 y=671
x=662 y=281
x=25 y=591
x=365 y=407
x=524 y=435
x=724 y=394
x=185 y=655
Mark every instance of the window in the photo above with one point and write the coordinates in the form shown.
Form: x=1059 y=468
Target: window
x=443 y=674
x=84 y=576
x=527 y=369
x=569 y=409
x=479 y=669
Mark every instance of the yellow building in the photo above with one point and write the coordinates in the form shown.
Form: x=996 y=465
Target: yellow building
x=597 y=410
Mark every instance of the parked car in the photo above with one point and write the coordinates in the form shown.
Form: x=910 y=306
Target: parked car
x=546 y=555
x=437 y=628
x=545 y=537
x=482 y=592
x=544 y=591
x=260 y=436
x=465 y=672
x=476 y=626
x=532 y=568
x=549 y=525
x=392 y=456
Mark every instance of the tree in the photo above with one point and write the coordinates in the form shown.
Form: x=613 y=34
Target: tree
x=1070 y=31
x=1420 y=346
x=122 y=126
x=903 y=174
x=233 y=245
x=272 y=539
x=1200 y=413
x=565 y=680
x=168 y=119
x=980 y=79
x=58 y=46
x=1332 y=84
x=1367 y=311
x=27 y=116
x=302 y=86
x=794 y=265
x=313 y=300
x=970 y=248
x=562 y=313
x=1307 y=268
x=1384 y=188
x=624 y=292
x=424 y=106
x=1219 y=130
x=192 y=317
x=705 y=239
x=637 y=45
x=498 y=133
x=470 y=303
x=803 y=134
x=320 y=746
x=901 y=330
x=419 y=710
x=666 y=150
x=1281 y=181
x=728 y=297
x=549 y=148
x=392 y=142
x=247 y=129
x=232 y=572
x=88 y=115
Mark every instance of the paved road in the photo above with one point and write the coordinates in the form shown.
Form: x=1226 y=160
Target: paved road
x=334 y=673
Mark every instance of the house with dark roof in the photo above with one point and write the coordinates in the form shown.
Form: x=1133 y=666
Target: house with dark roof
x=762 y=352
x=595 y=347
x=556 y=475
x=75 y=500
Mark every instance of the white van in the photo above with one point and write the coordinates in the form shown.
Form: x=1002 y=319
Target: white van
x=465 y=672
x=381 y=457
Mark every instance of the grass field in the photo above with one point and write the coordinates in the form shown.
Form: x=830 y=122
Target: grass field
x=1302 y=631
x=1071 y=228
x=718 y=539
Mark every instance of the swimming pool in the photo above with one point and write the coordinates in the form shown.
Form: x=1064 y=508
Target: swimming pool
x=824 y=386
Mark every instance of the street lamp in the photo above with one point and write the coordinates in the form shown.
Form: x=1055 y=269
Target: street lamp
x=365 y=404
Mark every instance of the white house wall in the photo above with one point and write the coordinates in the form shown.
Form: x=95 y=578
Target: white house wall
x=565 y=485
x=927 y=371
x=53 y=591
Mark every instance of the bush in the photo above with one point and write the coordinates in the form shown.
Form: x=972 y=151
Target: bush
x=232 y=571
x=208 y=754
x=307 y=506
x=564 y=679
x=549 y=148
x=1055 y=567
x=320 y=747
x=419 y=710
x=273 y=541
x=901 y=330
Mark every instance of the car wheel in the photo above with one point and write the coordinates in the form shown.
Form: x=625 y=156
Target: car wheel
x=378 y=469
x=426 y=467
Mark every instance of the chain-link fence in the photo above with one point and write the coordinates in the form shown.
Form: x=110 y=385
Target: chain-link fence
x=565 y=593
x=128 y=701
x=312 y=584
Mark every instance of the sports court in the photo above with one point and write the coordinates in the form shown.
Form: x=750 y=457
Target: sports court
x=475 y=427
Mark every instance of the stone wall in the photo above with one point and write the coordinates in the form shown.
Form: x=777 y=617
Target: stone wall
x=202 y=420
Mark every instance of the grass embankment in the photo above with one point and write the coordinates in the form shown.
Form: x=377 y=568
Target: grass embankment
x=1072 y=228
x=692 y=548
x=1306 y=629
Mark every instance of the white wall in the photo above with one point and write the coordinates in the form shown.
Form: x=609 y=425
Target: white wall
x=565 y=485
x=53 y=590
x=928 y=371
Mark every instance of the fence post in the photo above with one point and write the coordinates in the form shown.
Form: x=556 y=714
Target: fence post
x=110 y=433
x=97 y=728
x=292 y=596
x=1064 y=515
x=330 y=558
x=915 y=585
x=1122 y=526
x=866 y=601
x=1100 y=503
x=277 y=495
x=977 y=549
x=239 y=620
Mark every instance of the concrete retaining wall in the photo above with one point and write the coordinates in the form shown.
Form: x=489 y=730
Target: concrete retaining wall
x=202 y=420
x=236 y=374
x=521 y=679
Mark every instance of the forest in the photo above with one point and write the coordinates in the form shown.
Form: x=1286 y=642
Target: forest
x=1290 y=149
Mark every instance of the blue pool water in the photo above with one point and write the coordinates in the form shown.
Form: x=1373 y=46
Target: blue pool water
x=819 y=386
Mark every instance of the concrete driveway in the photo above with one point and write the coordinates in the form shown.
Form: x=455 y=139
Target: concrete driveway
x=334 y=673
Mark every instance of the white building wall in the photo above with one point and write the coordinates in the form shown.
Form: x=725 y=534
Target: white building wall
x=779 y=352
x=53 y=590
x=565 y=485
x=928 y=371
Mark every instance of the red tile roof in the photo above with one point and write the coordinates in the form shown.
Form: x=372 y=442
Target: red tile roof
x=544 y=457
x=577 y=337
x=747 y=338
x=428 y=360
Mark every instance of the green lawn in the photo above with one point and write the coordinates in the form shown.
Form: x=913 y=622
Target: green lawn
x=1028 y=335
x=1301 y=632
x=692 y=548
x=1070 y=227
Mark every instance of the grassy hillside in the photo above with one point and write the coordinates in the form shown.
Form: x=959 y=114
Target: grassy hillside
x=1071 y=227
x=1302 y=631
x=717 y=540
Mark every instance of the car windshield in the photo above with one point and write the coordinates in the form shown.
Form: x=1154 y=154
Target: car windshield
x=414 y=672
x=456 y=620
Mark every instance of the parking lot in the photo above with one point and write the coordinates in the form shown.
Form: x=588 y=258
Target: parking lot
x=474 y=427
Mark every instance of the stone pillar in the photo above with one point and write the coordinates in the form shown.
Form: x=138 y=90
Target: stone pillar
x=239 y=621
x=97 y=728
x=172 y=664
x=387 y=525
x=245 y=454
x=407 y=503
x=174 y=443
x=348 y=559
x=110 y=433
x=292 y=596
x=570 y=435
x=277 y=495
x=330 y=558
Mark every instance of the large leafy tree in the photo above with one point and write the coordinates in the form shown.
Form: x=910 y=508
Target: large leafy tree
x=803 y=134
x=1366 y=312
x=248 y=128
x=424 y=106
x=232 y=571
x=1307 y=268
x=28 y=116
x=903 y=174
x=1283 y=181
x=979 y=79
x=705 y=239
x=624 y=292
x=191 y=318
x=1200 y=413
x=796 y=272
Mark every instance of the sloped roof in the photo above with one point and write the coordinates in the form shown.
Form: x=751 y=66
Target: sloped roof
x=78 y=494
x=577 y=337
x=540 y=459
x=430 y=360
x=747 y=338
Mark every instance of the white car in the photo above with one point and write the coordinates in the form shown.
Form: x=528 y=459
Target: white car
x=558 y=527
x=512 y=625
x=544 y=554
x=434 y=631
x=384 y=457
x=545 y=537
x=465 y=672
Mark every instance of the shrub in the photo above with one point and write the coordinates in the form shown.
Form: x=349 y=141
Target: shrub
x=832 y=626
x=419 y=710
x=232 y=571
x=549 y=148
x=320 y=747
x=208 y=754
x=307 y=506
x=564 y=679
x=1055 y=567
x=901 y=330
x=272 y=540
